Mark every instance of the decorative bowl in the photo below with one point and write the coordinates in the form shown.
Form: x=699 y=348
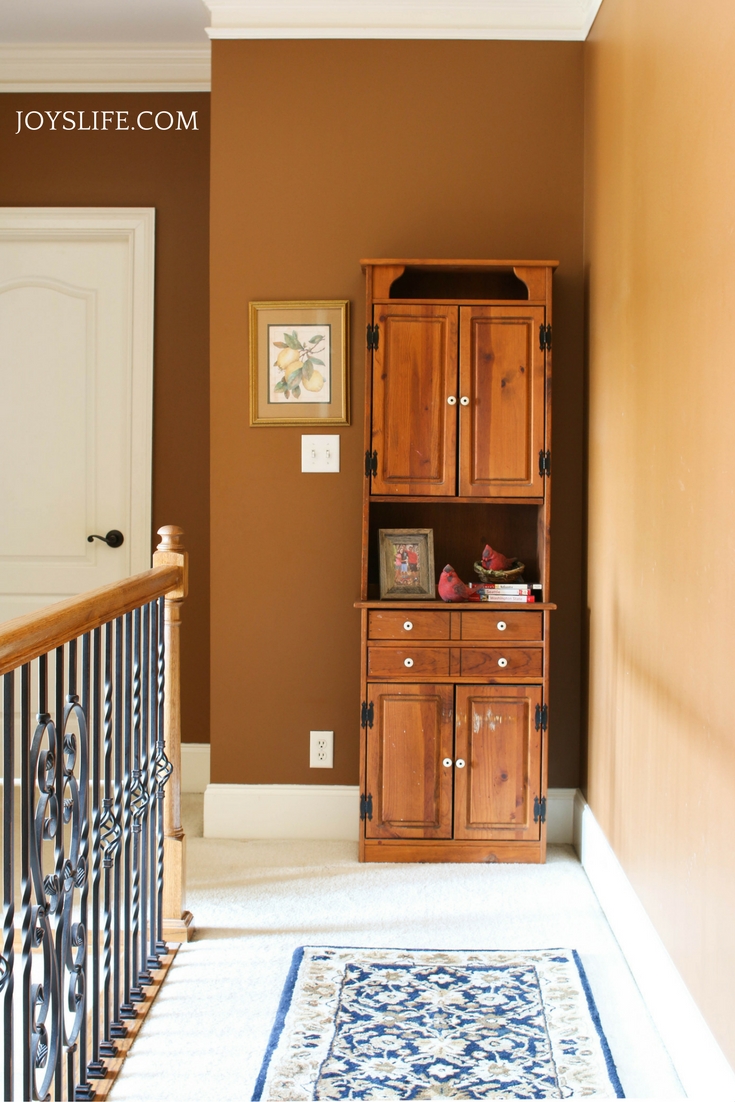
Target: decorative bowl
x=499 y=577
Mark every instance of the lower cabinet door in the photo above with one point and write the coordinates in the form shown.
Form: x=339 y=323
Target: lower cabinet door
x=411 y=738
x=498 y=742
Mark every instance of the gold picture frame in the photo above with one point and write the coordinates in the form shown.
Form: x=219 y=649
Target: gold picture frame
x=407 y=564
x=299 y=363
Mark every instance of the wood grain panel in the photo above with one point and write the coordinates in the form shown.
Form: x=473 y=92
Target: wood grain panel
x=391 y=661
x=496 y=736
x=414 y=430
x=393 y=625
x=453 y=852
x=502 y=427
x=412 y=733
x=486 y=662
x=486 y=625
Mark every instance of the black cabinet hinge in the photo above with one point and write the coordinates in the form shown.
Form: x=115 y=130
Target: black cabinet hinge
x=542 y=717
x=539 y=809
x=367 y=714
x=544 y=338
x=373 y=337
x=366 y=807
x=371 y=463
x=544 y=463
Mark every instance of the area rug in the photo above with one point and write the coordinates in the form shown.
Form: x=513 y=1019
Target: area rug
x=396 y=1023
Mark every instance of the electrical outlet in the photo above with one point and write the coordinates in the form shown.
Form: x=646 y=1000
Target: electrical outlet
x=321 y=749
x=320 y=454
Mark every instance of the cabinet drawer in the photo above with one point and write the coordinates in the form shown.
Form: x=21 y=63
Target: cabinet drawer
x=501 y=662
x=408 y=661
x=408 y=625
x=502 y=625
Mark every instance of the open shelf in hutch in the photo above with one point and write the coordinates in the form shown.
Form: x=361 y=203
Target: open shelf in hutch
x=454 y=713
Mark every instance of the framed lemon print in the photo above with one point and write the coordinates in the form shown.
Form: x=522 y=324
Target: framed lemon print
x=299 y=363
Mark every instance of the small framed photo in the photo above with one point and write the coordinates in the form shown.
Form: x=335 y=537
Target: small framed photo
x=407 y=563
x=299 y=363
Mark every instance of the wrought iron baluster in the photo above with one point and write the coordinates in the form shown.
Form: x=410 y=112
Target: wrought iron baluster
x=127 y=1010
x=96 y=1068
x=138 y=800
x=109 y=834
x=153 y=816
x=144 y=976
x=163 y=770
x=59 y=867
x=26 y=826
x=46 y=812
x=83 y=1087
x=75 y=751
x=118 y=1027
x=7 y=957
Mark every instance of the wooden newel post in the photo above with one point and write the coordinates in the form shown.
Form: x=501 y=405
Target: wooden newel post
x=177 y=921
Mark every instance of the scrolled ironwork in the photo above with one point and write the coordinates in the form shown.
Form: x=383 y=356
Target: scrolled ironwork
x=94 y=772
x=162 y=769
x=110 y=834
x=139 y=799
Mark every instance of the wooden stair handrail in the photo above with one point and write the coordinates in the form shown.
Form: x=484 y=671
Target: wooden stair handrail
x=27 y=637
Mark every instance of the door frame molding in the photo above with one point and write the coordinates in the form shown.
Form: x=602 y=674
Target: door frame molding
x=135 y=226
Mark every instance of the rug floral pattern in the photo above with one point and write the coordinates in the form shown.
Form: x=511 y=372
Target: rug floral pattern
x=399 y=1024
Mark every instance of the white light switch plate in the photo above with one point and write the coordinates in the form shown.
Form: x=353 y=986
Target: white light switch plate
x=320 y=454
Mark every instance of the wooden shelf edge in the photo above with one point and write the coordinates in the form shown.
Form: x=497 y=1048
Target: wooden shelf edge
x=441 y=262
x=426 y=499
x=461 y=606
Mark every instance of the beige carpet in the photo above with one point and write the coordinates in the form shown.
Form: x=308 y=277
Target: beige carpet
x=255 y=902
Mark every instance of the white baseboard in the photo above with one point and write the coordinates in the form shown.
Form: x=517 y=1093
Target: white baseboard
x=699 y=1062
x=194 y=766
x=250 y=811
x=560 y=816
x=324 y=811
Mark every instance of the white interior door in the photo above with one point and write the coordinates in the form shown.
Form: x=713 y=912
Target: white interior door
x=76 y=373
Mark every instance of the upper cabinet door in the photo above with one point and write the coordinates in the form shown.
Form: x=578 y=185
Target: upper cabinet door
x=501 y=415
x=415 y=400
x=494 y=791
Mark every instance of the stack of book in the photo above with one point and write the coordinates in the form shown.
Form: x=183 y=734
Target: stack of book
x=516 y=592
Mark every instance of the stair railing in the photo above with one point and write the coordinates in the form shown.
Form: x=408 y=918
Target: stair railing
x=93 y=855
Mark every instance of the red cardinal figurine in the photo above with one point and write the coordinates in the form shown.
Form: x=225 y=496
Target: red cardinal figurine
x=452 y=588
x=494 y=560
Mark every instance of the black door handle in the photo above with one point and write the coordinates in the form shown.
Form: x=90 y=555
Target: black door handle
x=112 y=539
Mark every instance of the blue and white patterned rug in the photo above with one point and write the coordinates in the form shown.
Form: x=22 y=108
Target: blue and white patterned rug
x=402 y=1023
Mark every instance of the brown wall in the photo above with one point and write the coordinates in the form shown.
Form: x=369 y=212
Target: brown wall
x=169 y=171
x=322 y=153
x=661 y=270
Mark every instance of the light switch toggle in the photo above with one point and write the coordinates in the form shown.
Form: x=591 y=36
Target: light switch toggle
x=320 y=454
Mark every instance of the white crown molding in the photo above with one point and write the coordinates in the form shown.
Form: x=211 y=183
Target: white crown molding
x=101 y=67
x=560 y=20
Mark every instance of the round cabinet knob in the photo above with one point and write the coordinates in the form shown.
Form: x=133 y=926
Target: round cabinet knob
x=502 y=662
x=451 y=400
x=408 y=626
x=408 y=662
x=464 y=401
x=447 y=763
x=501 y=625
x=460 y=763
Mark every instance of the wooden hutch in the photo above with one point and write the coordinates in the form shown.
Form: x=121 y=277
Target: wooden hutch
x=454 y=735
